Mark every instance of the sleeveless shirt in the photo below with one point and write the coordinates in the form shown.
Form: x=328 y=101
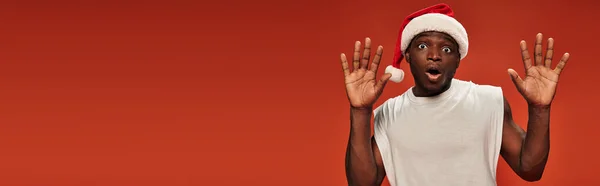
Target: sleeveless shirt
x=452 y=139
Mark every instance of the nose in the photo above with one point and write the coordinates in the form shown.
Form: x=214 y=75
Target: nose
x=433 y=55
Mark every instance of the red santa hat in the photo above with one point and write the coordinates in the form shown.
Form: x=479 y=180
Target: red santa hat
x=439 y=17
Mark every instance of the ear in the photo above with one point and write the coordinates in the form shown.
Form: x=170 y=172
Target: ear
x=407 y=57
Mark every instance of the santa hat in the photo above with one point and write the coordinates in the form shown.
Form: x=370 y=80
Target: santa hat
x=439 y=17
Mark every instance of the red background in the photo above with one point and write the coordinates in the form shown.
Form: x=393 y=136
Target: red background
x=247 y=92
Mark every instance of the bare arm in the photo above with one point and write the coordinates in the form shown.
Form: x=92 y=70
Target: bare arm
x=527 y=152
x=364 y=165
x=378 y=162
x=363 y=161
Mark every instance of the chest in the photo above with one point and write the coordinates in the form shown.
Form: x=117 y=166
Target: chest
x=426 y=132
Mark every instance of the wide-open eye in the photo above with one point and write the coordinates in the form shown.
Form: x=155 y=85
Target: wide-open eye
x=446 y=49
x=422 y=46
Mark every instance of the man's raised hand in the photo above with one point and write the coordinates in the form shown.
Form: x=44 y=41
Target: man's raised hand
x=539 y=86
x=362 y=87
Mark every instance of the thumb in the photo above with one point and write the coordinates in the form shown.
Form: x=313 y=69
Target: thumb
x=516 y=79
x=384 y=79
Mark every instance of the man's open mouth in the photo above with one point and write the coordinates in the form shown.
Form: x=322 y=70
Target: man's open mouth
x=433 y=71
x=433 y=74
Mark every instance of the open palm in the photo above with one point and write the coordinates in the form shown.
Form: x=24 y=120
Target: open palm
x=362 y=87
x=539 y=86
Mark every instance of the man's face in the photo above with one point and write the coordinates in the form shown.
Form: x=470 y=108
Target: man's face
x=433 y=58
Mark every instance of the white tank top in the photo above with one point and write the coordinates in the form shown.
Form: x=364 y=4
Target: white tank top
x=452 y=139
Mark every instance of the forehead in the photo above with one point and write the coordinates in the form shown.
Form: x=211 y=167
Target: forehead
x=435 y=35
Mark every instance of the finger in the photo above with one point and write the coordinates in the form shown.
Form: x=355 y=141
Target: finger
x=345 y=64
x=356 y=59
x=549 y=53
x=381 y=83
x=562 y=63
x=538 y=49
x=376 y=59
x=516 y=79
x=364 y=62
x=525 y=55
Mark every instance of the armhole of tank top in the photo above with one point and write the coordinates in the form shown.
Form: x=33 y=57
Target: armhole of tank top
x=380 y=123
x=380 y=126
x=498 y=122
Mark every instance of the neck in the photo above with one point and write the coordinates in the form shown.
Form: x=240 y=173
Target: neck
x=420 y=90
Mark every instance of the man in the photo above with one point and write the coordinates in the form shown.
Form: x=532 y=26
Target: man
x=444 y=131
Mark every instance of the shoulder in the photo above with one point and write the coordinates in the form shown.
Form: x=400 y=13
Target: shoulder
x=484 y=94
x=483 y=90
x=390 y=106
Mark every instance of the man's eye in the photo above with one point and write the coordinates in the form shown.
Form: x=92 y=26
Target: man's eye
x=422 y=46
x=446 y=49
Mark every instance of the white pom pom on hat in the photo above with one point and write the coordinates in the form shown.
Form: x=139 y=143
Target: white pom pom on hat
x=439 y=17
x=397 y=73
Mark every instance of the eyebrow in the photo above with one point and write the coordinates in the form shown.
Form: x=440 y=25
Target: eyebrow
x=450 y=40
